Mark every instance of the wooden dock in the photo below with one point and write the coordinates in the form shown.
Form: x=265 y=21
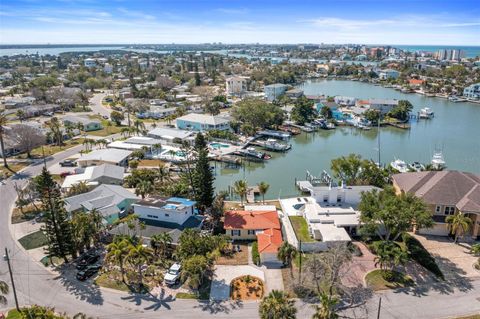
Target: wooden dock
x=229 y=159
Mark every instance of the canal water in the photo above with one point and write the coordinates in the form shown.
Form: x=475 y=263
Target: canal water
x=455 y=130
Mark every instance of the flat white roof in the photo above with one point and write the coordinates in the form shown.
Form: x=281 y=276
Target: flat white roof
x=203 y=119
x=170 y=133
x=108 y=155
x=338 y=215
x=331 y=233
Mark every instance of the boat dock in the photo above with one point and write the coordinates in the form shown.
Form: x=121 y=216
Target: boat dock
x=275 y=134
x=229 y=159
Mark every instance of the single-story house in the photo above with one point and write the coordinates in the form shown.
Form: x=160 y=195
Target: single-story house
x=174 y=210
x=95 y=175
x=169 y=135
x=105 y=156
x=446 y=193
x=112 y=201
x=136 y=143
x=264 y=226
x=88 y=123
x=202 y=122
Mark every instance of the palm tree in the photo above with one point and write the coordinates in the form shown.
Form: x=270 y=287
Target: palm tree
x=138 y=255
x=144 y=188
x=287 y=253
x=3 y=123
x=326 y=309
x=240 y=188
x=139 y=126
x=78 y=188
x=458 y=224
x=117 y=253
x=263 y=189
x=160 y=243
x=21 y=115
x=277 y=305
x=3 y=291
x=56 y=129
x=389 y=255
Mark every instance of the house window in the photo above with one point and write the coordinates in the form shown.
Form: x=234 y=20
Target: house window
x=251 y=231
x=152 y=216
x=325 y=198
x=449 y=210
x=167 y=215
x=235 y=232
x=339 y=198
x=437 y=209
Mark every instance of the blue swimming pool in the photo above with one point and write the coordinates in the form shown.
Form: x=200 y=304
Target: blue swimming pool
x=219 y=145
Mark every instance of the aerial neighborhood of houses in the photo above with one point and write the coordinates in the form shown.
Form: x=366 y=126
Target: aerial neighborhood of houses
x=151 y=174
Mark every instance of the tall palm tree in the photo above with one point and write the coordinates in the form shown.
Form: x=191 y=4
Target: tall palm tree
x=138 y=255
x=240 y=188
x=3 y=123
x=277 y=305
x=139 y=126
x=326 y=309
x=144 y=188
x=458 y=224
x=3 y=291
x=117 y=253
x=160 y=243
x=287 y=253
x=389 y=255
x=263 y=189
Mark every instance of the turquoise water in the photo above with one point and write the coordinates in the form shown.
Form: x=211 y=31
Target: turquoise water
x=470 y=51
x=455 y=129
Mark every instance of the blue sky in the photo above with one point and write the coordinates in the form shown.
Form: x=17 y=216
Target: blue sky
x=231 y=21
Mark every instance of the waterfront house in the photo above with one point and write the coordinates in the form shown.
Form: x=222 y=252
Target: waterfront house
x=111 y=201
x=382 y=105
x=388 y=74
x=445 y=193
x=202 y=122
x=294 y=93
x=105 y=156
x=88 y=124
x=95 y=175
x=235 y=85
x=174 y=210
x=274 y=91
x=171 y=135
x=472 y=91
x=256 y=224
x=416 y=83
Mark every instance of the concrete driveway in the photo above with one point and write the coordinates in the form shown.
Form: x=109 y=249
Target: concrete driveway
x=454 y=260
x=223 y=276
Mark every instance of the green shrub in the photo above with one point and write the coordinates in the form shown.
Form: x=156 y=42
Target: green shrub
x=418 y=253
x=255 y=254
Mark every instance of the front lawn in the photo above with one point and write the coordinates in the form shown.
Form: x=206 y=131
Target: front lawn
x=235 y=258
x=387 y=279
x=300 y=227
x=29 y=213
x=33 y=240
x=12 y=169
x=52 y=149
x=107 y=281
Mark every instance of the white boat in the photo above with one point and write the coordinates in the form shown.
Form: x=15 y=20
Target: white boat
x=274 y=145
x=437 y=161
x=399 y=165
x=416 y=166
x=456 y=99
x=426 y=113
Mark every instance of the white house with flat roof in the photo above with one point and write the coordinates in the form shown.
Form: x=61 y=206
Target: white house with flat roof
x=105 y=156
x=174 y=210
x=170 y=134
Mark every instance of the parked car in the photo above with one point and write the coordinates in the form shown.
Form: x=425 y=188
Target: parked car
x=68 y=163
x=65 y=174
x=105 y=117
x=87 y=260
x=172 y=276
x=88 y=272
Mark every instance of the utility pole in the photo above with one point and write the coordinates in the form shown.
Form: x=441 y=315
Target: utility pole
x=379 y=307
x=300 y=263
x=7 y=259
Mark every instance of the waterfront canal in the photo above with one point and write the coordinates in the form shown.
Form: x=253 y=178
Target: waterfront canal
x=455 y=130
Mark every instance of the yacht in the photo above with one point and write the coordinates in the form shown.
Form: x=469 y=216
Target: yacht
x=274 y=145
x=416 y=166
x=437 y=160
x=399 y=165
x=426 y=113
x=252 y=152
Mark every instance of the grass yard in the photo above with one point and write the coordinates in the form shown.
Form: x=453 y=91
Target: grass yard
x=300 y=227
x=14 y=314
x=12 y=169
x=202 y=294
x=106 y=131
x=104 y=280
x=29 y=213
x=237 y=258
x=53 y=149
x=151 y=163
x=33 y=240
x=376 y=280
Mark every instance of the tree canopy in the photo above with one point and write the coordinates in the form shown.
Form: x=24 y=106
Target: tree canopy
x=258 y=114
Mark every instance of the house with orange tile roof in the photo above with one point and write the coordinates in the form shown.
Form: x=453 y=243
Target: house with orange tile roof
x=261 y=225
x=416 y=82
